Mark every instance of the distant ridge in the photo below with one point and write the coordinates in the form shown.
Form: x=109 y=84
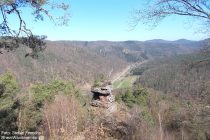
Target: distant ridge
x=158 y=41
x=82 y=61
x=152 y=40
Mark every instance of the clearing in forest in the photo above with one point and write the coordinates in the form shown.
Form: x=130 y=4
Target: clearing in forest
x=125 y=82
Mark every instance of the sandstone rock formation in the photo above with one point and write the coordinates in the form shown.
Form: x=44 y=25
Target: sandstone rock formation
x=102 y=96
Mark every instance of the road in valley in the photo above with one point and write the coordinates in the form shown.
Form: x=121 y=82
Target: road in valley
x=126 y=71
x=117 y=77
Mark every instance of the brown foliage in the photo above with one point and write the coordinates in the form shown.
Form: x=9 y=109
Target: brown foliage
x=61 y=118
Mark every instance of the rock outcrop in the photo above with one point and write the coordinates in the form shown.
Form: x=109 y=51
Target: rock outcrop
x=102 y=96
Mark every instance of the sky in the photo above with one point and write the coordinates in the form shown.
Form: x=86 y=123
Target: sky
x=92 y=20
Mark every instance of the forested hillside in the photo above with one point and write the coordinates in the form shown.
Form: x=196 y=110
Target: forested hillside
x=185 y=75
x=60 y=60
x=183 y=82
x=82 y=61
x=165 y=96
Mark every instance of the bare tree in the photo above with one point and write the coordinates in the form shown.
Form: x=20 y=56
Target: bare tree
x=12 y=38
x=61 y=118
x=157 y=10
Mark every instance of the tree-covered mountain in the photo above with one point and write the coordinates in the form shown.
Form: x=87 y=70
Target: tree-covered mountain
x=168 y=101
x=185 y=75
x=141 y=49
x=82 y=61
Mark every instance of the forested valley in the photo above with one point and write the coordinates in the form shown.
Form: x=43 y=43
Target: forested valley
x=105 y=70
x=164 y=95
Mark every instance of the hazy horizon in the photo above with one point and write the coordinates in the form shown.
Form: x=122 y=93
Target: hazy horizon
x=131 y=40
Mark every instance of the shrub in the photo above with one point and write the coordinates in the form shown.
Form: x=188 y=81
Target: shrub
x=141 y=96
x=128 y=98
x=62 y=123
x=31 y=113
x=147 y=117
x=99 y=80
x=138 y=96
x=9 y=84
x=8 y=104
x=46 y=92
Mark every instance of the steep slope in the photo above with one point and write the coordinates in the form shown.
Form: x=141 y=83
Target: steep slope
x=60 y=60
x=185 y=75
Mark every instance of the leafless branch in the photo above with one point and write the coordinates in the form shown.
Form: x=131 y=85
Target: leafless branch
x=155 y=12
x=20 y=36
